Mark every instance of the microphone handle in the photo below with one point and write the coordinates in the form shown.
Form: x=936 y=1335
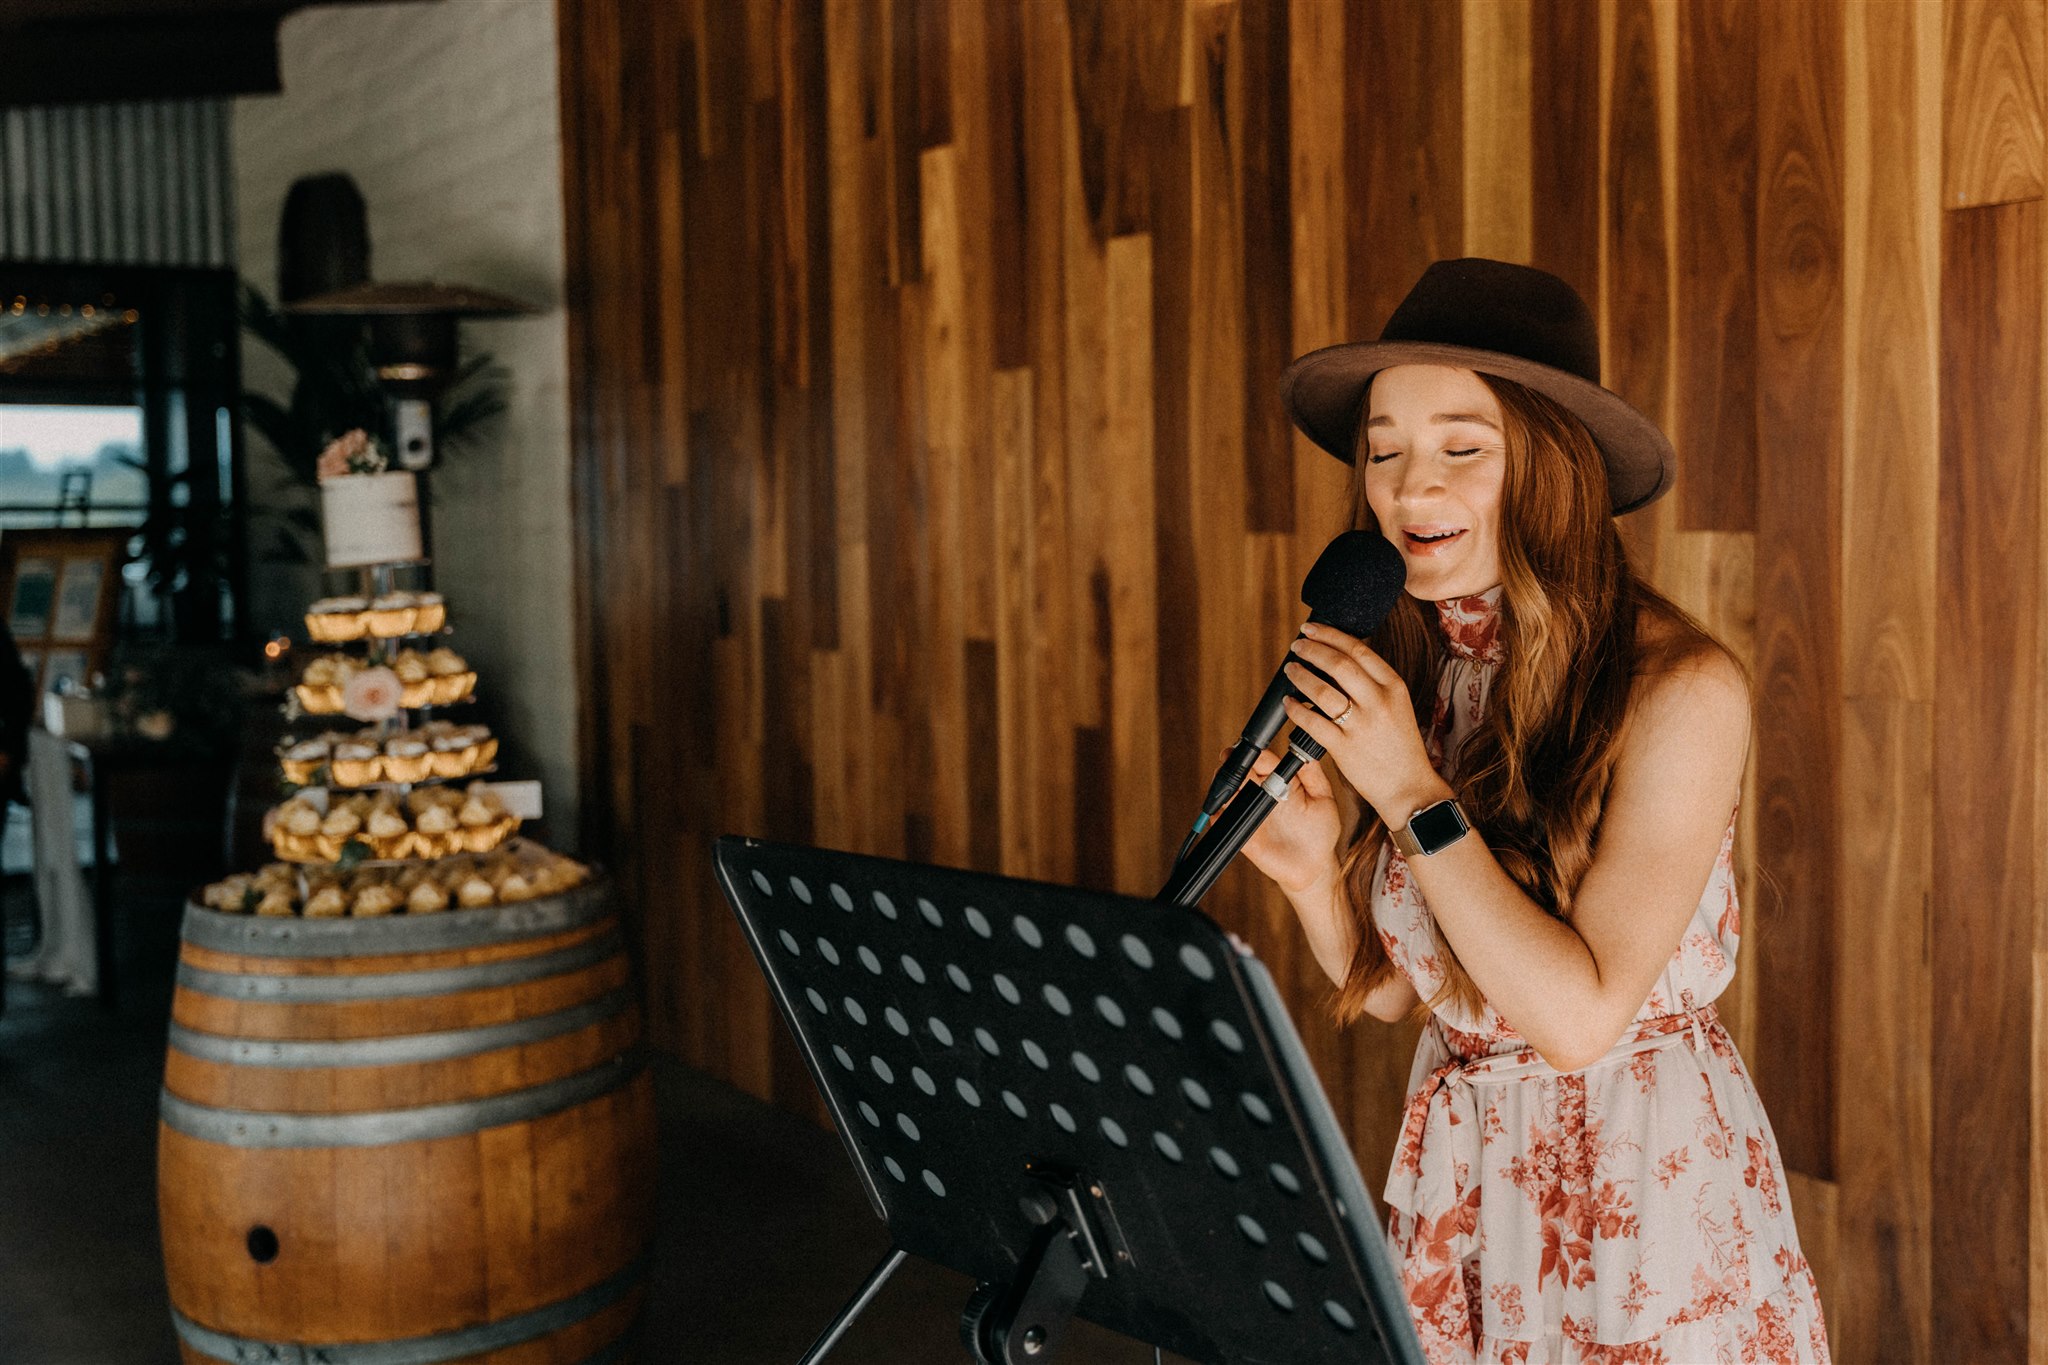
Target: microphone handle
x=1197 y=872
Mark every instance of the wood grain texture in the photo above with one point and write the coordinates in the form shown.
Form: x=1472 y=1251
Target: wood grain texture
x=1564 y=142
x=1992 y=139
x=1883 y=1307
x=1884 y=1299
x=1714 y=422
x=1403 y=150
x=1985 y=685
x=392 y=1240
x=1636 y=317
x=936 y=502
x=1798 y=569
x=1496 y=115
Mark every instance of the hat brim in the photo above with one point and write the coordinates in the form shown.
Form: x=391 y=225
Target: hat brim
x=1323 y=391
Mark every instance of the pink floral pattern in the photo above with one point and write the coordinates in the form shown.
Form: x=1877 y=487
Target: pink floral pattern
x=1629 y=1213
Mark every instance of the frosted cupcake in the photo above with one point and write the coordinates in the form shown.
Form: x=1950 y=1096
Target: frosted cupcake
x=380 y=898
x=438 y=831
x=452 y=680
x=389 y=834
x=320 y=686
x=336 y=620
x=303 y=761
x=475 y=891
x=427 y=897
x=355 y=763
x=407 y=758
x=431 y=613
x=392 y=615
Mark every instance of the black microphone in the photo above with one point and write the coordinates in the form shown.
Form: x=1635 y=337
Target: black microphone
x=1354 y=583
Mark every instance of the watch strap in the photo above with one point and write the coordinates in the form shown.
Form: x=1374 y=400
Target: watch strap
x=1442 y=823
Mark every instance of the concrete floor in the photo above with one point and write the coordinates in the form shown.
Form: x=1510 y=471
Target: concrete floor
x=763 y=1231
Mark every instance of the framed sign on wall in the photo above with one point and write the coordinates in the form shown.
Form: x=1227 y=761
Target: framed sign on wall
x=60 y=587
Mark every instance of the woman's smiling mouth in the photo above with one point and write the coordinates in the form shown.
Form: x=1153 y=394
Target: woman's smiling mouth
x=1428 y=540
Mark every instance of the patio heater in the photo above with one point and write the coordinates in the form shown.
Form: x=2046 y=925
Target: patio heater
x=412 y=346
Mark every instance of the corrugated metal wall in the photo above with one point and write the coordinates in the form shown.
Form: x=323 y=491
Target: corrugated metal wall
x=129 y=184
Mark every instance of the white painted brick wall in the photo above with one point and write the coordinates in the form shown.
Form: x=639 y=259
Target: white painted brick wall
x=447 y=117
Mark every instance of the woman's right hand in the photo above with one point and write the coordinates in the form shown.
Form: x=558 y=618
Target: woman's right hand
x=1297 y=844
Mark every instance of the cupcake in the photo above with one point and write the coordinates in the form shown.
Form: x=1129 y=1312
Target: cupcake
x=295 y=830
x=474 y=891
x=426 y=897
x=329 y=902
x=431 y=613
x=453 y=751
x=414 y=677
x=437 y=831
x=391 y=615
x=483 y=748
x=483 y=821
x=407 y=758
x=229 y=896
x=275 y=904
x=319 y=688
x=355 y=763
x=452 y=680
x=379 y=898
x=303 y=761
x=514 y=888
x=336 y=620
x=388 y=834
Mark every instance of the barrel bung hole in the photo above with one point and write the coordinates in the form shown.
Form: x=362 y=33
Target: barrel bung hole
x=262 y=1245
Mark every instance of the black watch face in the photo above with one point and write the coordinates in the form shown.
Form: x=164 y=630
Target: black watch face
x=1436 y=826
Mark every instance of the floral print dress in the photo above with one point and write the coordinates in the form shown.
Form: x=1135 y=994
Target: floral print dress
x=1633 y=1212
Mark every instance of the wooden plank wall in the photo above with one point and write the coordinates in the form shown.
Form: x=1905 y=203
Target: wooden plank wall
x=934 y=499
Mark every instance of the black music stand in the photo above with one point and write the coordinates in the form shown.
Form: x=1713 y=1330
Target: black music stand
x=1095 y=1106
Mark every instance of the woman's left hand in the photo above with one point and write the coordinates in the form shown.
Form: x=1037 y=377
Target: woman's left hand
x=1366 y=721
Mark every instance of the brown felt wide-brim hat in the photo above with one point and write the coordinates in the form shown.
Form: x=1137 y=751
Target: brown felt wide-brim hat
x=1512 y=321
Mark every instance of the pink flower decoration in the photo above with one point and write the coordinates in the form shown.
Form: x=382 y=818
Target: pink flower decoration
x=372 y=694
x=352 y=452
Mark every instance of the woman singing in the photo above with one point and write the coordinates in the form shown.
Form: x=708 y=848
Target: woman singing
x=1549 y=753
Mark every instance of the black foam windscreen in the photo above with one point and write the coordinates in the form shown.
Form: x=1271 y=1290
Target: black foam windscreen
x=1355 y=583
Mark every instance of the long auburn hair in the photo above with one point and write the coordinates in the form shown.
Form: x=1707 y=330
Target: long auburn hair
x=1533 y=775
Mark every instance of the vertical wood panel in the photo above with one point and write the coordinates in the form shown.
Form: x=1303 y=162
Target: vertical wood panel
x=1983 y=711
x=1992 y=142
x=1714 y=423
x=1497 y=189
x=1317 y=104
x=1564 y=156
x=1637 y=312
x=1263 y=42
x=1799 y=360
x=1403 y=146
x=1883 y=1309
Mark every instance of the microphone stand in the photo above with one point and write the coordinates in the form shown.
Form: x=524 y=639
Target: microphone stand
x=1194 y=874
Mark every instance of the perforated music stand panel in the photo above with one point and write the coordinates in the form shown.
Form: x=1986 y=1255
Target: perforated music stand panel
x=964 y=1028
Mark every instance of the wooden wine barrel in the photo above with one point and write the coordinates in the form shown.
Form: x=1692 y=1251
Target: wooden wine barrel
x=407 y=1139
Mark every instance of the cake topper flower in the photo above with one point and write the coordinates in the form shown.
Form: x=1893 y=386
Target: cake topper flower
x=352 y=452
x=372 y=694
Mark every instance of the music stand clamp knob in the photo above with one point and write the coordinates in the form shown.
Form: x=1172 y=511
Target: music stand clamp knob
x=1022 y=1322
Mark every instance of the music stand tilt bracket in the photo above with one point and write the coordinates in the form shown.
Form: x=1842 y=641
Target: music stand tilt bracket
x=1092 y=1105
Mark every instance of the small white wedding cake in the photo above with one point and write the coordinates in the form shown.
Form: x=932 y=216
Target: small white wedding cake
x=371 y=519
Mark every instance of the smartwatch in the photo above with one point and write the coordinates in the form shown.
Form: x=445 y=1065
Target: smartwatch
x=1431 y=829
